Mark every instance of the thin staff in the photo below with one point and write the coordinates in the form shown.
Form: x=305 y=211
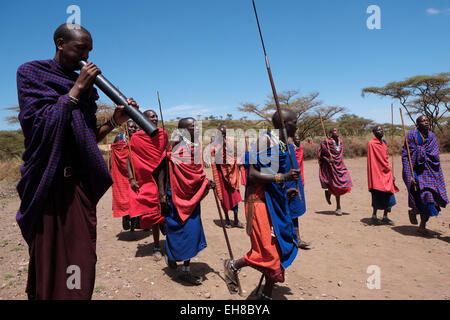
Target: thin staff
x=275 y=96
x=413 y=180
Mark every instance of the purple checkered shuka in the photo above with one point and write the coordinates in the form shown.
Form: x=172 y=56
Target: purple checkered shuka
x=427 y=166
x=336 y=175
x=46 y=116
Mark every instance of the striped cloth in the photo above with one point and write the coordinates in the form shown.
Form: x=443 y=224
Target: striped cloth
x=336 y=176
x=47 y=120
x=427 y=169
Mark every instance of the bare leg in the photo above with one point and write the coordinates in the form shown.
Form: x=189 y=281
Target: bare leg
x=267 y=291
x=328 y=197
x=338 y=206
x=157 y=255
x=422 y=227
x=385 y=217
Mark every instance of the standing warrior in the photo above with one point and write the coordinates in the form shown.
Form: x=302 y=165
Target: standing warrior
x=269 y=222
x=427 y=193
x=298 y=205
x=147 y=186
x=226 y=177
x=64 y=174
x=188 y=186
x=121 y=186
x=334 y=175
x=299 y=154
x=379 y=176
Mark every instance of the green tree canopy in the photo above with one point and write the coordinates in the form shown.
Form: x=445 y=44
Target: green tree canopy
x=427 y=95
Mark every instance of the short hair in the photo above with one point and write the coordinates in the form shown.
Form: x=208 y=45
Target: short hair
x=182 y=122
x=276 y=120
x=417 y=120
x=375 y=127
x=67 y=31
x=150 y=110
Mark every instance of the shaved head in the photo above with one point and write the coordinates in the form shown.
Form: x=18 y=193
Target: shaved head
x=68 y=32
x=185 y=122
x=286 y=113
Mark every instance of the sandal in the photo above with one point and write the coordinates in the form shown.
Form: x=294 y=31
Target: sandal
x=170 y=263
x=303 y=244
x=229 y=273
x=239 y=225
x=157 y=255
x=339 y=212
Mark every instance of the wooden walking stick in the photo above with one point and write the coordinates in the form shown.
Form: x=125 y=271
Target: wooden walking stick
x=326 y=136
x=392 y=137
x=275 y=97
x=227 y=241
x=107 y=145
x=166 y=160
x=413 y=180
x=129 y=149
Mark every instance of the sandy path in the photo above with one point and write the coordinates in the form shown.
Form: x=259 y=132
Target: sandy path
x=412 y=267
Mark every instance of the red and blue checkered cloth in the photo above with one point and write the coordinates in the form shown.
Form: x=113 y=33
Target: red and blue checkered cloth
x=427 y=167
x=335 y=175
x=47 y=120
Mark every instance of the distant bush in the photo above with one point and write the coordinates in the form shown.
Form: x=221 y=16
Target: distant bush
x=10 y=170
x=11 y=145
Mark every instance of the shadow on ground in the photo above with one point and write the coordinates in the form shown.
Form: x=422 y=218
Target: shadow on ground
x=332 y=213
x=133 y=235
x=146 y=250
x=199 y=269
x=412 y=231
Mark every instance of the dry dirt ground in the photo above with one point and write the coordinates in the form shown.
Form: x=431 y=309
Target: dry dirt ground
x=343 y=248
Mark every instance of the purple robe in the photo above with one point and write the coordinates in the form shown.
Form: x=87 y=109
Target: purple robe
x=47 y=119
x=427 y=170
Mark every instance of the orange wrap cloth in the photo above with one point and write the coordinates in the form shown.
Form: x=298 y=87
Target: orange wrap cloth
x=147 y=153
x=119 y=173
x=379 y=173
x=188 y=180
x=226 y=176
x=264 y=254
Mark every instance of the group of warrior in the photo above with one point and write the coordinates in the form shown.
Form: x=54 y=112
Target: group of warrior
x=64 y=175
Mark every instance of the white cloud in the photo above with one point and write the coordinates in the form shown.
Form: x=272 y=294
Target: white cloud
x=433 y=11
x=186 y=110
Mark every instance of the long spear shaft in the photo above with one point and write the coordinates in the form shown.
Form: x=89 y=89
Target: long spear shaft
x=325 y=134
x=167 y=145
x=227 y=240
x=392 y=137
x=409 y=154
x=275 y=95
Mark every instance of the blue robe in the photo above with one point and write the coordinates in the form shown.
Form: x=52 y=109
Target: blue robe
x=276 y=199
x=183 y=241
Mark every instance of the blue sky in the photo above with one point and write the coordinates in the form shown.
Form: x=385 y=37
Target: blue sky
x=205 y=56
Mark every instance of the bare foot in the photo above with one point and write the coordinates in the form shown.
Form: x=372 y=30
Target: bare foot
x=328 y=197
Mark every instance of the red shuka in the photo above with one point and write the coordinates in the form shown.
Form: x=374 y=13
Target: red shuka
x=226 y=176
x=188 y=180
x=379 y=173
x=147 y=153
x=299 y=154
x=119 y=173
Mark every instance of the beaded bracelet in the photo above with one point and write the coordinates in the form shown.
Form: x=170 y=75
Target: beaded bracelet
x=278 y=178
x=73 y=100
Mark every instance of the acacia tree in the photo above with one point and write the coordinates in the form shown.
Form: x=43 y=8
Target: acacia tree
x=308 y=108
x=13 y=119
x=428 y=95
